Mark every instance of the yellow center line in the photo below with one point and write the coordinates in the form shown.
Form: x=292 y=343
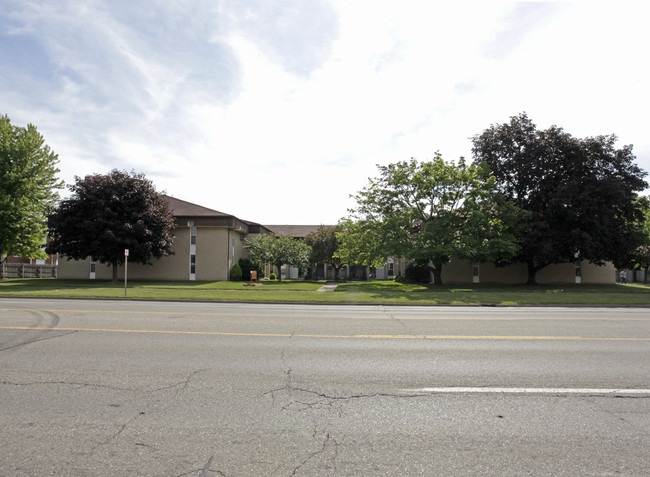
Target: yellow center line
x=329 y=336
x=321 y=315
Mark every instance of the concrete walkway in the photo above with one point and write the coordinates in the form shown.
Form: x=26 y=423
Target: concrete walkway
x=328 y=287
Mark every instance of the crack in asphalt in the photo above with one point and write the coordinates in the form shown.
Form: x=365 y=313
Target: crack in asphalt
x=399 y=321
x=181 y=385
x=64 y=383
x=298 y=401
x=177 y=387
x=330 y=404
x=618 y=414
x=328 y=442
x=116 y=434
x=204 y=471
x=290 y=386
x=300 y=406
x=361 y=396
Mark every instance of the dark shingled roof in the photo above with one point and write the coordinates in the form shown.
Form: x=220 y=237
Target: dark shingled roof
x=185 y=211
x=183 y=208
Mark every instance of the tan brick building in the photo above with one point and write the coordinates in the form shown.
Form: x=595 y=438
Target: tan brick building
x=207 y=243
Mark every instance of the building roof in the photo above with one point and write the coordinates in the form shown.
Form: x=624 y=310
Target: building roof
x=186 y=214
x=183 y=208
x=296 y=231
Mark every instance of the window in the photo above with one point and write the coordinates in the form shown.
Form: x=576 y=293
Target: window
x=192 y=251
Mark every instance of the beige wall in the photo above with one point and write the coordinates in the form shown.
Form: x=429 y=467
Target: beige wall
x=240 y=251
x=594 y=274
x=460 y=271
x=73 y=269
x=212 y=253
x=514 y=274
x=217 y=249
x=172 y=267
x=457 y=271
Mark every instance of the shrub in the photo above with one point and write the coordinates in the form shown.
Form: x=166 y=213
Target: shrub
x=273 y=276
x=247 y=266
x=235 y=272
x=417 y=273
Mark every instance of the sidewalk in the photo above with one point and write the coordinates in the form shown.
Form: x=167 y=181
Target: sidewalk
x=328 y=287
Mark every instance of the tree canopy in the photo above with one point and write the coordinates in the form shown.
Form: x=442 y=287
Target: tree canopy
x=360 y=243
x=278 y=251
x=324 y=244
x=580 y=194
x=28 y=190
x=108 y=213
x=430 y=212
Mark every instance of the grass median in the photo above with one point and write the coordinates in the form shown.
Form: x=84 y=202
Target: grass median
x=290 y=291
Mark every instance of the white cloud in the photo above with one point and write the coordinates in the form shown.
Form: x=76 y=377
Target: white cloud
x=278 y=113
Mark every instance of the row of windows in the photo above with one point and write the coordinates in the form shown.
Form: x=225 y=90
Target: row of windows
x=192 y=252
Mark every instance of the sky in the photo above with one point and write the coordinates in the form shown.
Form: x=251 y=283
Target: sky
x=278 y=111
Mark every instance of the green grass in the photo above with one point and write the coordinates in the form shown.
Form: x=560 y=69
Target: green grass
x=356 y=292
x=501 y=295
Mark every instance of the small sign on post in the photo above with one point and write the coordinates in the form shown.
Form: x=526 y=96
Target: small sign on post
x=253 y=275
x=126 y=263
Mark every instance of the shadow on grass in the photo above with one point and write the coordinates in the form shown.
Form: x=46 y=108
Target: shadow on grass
x=25 y=285
x=499 y=294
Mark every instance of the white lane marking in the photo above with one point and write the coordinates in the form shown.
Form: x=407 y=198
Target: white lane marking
x=489 y=390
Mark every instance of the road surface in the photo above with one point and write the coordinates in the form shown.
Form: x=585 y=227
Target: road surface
x=185 y=389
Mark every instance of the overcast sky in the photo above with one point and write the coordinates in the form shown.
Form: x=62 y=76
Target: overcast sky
x=277 y=111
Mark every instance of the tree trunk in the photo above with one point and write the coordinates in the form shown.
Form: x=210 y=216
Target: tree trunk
x=114 y=272
x=279 y=267
x=336 y=274
x=532 y=271
x=645 y=276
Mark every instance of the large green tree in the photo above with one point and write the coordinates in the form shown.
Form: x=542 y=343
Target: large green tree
x=278 y=251
x=324 y=244
x=28 y=190
x=430 y=212
x=580 y=193
x=108 y=213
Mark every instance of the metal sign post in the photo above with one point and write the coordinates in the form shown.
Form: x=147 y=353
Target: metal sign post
x=126 y=264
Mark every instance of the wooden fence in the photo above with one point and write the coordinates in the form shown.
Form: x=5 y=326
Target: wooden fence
x=24 y=270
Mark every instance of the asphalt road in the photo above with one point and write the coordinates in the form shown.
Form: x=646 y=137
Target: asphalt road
x=99 y=388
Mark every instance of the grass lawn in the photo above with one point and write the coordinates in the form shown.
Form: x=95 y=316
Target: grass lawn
x=356 y=292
